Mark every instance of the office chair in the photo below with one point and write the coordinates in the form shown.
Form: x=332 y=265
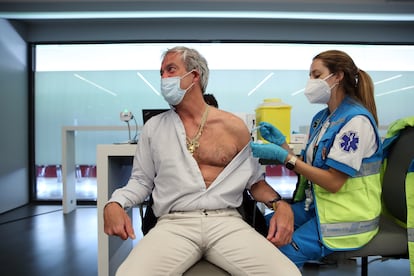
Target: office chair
x=391 y=240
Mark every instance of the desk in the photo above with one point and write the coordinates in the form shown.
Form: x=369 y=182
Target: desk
x=114 y=163
x=69 y=165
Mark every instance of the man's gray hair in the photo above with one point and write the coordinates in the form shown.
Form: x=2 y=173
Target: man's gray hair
x=193 y=60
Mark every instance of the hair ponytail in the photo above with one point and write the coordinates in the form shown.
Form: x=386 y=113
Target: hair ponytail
x=365 y=93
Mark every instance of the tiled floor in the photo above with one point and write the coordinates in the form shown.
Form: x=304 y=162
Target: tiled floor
x=40 y=241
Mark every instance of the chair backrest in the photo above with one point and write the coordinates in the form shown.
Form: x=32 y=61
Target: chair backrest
x=399 y=159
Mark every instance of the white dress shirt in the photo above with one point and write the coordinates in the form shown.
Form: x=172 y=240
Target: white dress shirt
x=162 y=165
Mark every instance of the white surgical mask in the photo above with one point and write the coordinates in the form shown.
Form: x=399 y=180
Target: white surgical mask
x=171 y=89
x=318 y=90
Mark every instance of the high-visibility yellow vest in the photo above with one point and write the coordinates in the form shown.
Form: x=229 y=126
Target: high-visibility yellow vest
x=349 y=218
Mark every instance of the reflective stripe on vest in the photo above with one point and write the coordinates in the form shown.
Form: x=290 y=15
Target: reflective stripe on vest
x=348 y=228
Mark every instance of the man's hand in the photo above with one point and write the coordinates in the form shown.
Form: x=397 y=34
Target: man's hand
x=281 y=225
x=117 y=222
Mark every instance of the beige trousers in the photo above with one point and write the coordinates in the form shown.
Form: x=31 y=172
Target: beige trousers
x=180 y=239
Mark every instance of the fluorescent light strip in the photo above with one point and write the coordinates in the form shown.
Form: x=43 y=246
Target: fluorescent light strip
x=260 y=84
x=148 y=83
x=395 y=91
x=297 y=92
x=211 y=14
x=389 y=79
x=96 y=85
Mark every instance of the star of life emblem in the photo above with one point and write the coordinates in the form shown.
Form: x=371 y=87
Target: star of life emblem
x=349 y=141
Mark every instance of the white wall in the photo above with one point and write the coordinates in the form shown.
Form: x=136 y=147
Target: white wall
x=14 y=187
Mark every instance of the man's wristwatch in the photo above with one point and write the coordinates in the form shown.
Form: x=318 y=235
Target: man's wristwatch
x=291 y=163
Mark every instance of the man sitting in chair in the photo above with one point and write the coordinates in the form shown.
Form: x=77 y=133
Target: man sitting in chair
x=196 y=161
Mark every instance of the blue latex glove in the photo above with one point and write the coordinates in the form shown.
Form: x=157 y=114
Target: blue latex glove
x=269 y=151
x=271 y=133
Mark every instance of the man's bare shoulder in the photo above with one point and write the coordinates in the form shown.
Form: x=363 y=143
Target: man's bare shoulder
x=233 y=124
x=233 y=119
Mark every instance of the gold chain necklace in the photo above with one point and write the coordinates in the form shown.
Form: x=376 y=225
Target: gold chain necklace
x=193 y=144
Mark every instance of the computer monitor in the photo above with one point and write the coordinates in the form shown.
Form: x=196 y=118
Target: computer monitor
x=148 y=113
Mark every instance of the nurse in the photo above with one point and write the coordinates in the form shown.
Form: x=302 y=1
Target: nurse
x=338 y=199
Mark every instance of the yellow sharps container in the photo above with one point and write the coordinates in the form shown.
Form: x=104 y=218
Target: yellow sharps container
x=275 y=112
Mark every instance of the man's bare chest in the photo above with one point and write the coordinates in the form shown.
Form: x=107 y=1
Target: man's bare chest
x=216 y=152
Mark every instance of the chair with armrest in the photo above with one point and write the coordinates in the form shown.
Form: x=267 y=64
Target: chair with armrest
x=391 y=240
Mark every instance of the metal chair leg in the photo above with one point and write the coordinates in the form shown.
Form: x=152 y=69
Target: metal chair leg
x=364 y=266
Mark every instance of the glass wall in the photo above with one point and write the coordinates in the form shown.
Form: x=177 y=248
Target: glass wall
x=90 y=84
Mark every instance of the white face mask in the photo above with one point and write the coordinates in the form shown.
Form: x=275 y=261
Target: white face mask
x=318 y=90
x=171 y=89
